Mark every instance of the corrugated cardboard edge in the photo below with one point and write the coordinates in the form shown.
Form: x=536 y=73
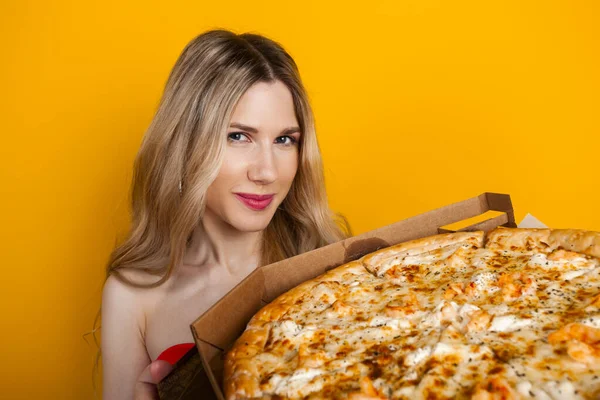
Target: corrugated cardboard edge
x=216 y=330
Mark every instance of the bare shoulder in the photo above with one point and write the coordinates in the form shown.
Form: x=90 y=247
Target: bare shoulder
x=124 y=305
x=138 y=277
x=121 y=297
x=124 y=353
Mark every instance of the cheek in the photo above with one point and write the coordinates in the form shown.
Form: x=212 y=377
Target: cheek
x=231 y=171
x=289 y=169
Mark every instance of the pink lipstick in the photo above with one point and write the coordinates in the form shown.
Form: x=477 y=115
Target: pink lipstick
x=255 y=202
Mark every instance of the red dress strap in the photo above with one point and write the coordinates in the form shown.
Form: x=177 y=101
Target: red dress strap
x=174 y=353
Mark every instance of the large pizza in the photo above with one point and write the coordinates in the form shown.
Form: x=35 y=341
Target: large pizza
x=511 y=315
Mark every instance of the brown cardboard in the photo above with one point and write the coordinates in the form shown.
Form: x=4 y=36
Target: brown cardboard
x=216 y=330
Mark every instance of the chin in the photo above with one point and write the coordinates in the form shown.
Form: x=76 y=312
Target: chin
x=248 y=227
x=255 y=223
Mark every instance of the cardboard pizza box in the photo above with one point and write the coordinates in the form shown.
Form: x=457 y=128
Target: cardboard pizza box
x=217 y=329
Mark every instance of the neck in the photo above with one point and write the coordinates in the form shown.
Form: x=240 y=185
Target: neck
x=216 y=242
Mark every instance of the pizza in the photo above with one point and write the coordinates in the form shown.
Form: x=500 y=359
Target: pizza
x=514 y=314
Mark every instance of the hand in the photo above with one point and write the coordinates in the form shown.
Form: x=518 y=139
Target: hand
x=145 y=387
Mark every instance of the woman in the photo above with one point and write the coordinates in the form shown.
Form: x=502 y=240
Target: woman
x=228 y=178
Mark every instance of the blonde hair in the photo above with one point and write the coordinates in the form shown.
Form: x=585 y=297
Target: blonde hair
x=185 y=144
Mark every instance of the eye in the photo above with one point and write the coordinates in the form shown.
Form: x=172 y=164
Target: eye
x=237 y=137
x=286 y=140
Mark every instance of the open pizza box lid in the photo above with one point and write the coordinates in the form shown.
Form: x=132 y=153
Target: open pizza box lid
x=218 y=328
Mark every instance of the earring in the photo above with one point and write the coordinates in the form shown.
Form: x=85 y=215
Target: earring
x=180 y=188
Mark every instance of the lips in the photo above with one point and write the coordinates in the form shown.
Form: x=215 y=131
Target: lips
x=255 y=201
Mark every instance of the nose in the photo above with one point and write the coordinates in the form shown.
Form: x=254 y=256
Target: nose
x=263 y=169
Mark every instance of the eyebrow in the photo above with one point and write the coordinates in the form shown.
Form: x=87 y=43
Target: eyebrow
x=287 y=131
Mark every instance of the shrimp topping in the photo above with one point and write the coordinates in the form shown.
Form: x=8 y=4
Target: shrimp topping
x=514 y=285
x=583 y=342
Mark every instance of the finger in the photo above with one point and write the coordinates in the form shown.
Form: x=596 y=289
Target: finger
x=146 y=376
x=159 y=370
x=145 y=389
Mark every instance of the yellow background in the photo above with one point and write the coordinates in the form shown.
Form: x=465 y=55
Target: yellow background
x=418 y=103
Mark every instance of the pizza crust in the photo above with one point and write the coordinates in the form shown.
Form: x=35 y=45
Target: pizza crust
x=580 y=241
x=517 y=239
x=576 y=240
x=419 y=246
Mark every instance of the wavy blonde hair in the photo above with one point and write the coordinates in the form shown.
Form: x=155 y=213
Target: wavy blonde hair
x=184 y=146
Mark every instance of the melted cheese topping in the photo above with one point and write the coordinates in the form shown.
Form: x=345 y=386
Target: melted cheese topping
x=457 y=322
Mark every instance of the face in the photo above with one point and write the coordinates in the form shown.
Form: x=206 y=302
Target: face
x=261 y=159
